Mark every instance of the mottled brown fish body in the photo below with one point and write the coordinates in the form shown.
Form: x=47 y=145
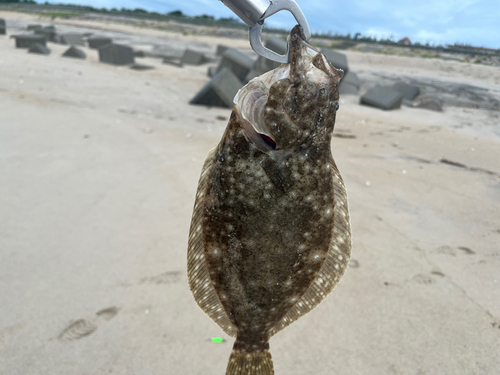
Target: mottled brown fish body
x=270 y=234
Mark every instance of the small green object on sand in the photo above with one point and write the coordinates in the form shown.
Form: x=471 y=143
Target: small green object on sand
x=217 y=340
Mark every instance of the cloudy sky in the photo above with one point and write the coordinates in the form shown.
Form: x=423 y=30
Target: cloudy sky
x=476 y=22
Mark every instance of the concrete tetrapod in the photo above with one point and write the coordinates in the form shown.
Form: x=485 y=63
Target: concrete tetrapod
x=72 y=39
x=263 y=65
x=221 y=49
x=96 y=42
x=211 y=71
x=350 y=84
x=75 y=52
x=382 y=97
x=39 y=49
x=33 y=27
x=236 y=61
x=275 y=44
x=338 y=60
x=116 y=54
x=192 y=57
x=49 y=32
x=220 y=91
x=26 y=41
x=409 y=92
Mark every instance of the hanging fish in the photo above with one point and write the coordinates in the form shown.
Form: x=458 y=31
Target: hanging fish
x=270 y=234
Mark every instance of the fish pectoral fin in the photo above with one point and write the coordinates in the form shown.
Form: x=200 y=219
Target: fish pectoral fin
x=278 y=176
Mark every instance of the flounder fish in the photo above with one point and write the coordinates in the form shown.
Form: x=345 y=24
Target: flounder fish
x=270 y=234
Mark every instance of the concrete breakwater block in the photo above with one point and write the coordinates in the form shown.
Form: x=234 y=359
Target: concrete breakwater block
x=33 y=27
x=350 y=84
x=75 y=53
x=409 y=92
x=116 y=54
x=382 y=97
x=221 y=49
x=96 y=42
x=211 y=71
x=276 y=44
x=39 y=49
x=220 y=91
x=173 y=61
x=50 y=28
x=26 y=41
x=71 y=39
x=352 y=79
x=191 y=57
x=338 y=60
x=49 y=32
x=262 y=64
x=236 y=61
x=348 y=89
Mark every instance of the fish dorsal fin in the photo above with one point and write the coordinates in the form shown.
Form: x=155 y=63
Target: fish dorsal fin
x=335 y=263
x=199 y=278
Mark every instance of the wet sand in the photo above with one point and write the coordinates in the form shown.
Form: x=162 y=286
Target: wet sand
x=99 y=166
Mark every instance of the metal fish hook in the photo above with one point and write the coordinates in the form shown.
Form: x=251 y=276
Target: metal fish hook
x=254 y=12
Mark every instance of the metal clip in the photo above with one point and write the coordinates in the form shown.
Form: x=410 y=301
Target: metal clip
x=254 y=12
x=256 y=30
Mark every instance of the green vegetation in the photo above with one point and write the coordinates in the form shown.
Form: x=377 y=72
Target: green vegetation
x=61 y=14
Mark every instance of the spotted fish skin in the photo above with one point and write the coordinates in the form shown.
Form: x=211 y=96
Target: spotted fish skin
x=270 y=235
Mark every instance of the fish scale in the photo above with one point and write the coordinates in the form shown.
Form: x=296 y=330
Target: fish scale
x=270 y=235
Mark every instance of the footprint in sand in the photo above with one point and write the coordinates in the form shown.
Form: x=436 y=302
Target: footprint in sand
x=424 y=279
x=448 y=250
x=466 y=250
x=108 y=313
x=77 y=330
x=163 y=278
x=437 y=273
x=81 y=328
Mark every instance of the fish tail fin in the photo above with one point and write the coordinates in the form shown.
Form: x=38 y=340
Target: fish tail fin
x=258 y=362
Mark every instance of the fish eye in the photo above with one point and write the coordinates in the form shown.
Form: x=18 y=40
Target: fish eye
x=322 y=91
x=337 y=106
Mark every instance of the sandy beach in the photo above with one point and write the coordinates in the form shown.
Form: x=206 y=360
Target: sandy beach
x=99 y=167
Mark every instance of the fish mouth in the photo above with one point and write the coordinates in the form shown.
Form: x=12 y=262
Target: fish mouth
x=252 y=98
